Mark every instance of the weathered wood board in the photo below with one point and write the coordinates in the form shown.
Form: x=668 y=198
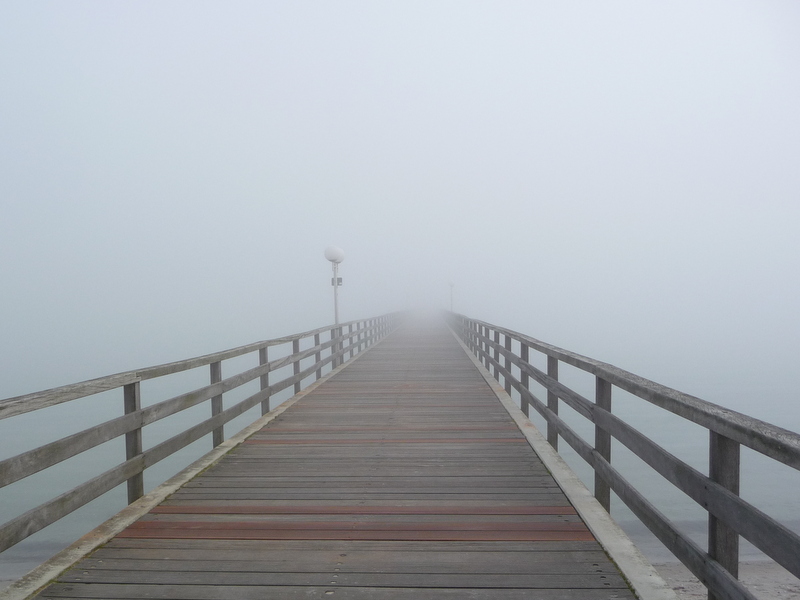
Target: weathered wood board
x=400 y=477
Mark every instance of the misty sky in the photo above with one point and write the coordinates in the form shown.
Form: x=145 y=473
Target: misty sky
x=620 y=178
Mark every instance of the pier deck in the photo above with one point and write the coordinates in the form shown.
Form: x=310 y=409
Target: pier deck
x=402 y=476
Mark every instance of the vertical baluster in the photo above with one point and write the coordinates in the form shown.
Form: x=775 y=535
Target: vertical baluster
x=263 y=358
x=723 y=542
x=507 y=365
x=524 y=354
x=133 y=440
x=496 y=355
x=218 y=434
x=317 y=355
x=334 y=348
x=296 y=363
x=350 y=338
x=552 y=401
x=602 y=442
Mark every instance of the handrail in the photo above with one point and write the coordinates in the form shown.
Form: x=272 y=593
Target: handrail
x=18 y=405
x=345 y=339
x=729 y=515
x=773 y=441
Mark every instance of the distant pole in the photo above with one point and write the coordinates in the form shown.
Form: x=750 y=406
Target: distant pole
x=335 y=255
x=335 y=293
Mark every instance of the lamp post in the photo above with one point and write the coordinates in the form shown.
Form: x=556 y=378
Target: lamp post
x=335 y=255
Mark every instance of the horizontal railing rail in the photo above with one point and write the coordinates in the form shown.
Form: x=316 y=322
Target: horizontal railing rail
x=729 y=516
x=343 y=342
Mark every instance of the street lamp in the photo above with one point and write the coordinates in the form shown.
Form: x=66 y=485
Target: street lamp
x=335 y=255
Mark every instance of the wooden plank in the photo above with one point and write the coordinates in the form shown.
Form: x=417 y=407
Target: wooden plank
x=350 y=579
x=25 y=464
x=243 y=548
x=378 y=561
x=38 y=518
x=402 y=476
x=199 y=592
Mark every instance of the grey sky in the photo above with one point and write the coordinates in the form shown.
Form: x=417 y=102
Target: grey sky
x=620 y=178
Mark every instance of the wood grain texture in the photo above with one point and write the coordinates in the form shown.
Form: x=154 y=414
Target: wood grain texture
x=401 y=477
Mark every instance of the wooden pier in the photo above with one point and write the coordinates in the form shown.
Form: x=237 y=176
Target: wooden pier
x=401 y=476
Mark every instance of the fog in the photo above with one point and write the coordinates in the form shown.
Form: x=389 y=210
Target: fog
x=617 y=178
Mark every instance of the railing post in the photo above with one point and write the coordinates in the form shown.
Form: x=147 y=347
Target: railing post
x=317 y=355
x=296 y=363
x=496 y=355
x=350 y=338
x=218 y=434
x=263 y=358
x=552 y=401
x=524 y=378
x=723 y=468
x=133 y=440
x=507 y=365
x=602 y=442
x=334 y=348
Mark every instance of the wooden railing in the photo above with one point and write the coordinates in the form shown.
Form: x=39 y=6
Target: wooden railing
x=729 y=516
x=341 y=343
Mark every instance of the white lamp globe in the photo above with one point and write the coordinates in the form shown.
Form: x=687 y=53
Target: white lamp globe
x=334 y=254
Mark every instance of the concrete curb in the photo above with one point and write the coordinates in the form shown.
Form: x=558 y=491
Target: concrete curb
x=44 y=574
x=643 y=578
